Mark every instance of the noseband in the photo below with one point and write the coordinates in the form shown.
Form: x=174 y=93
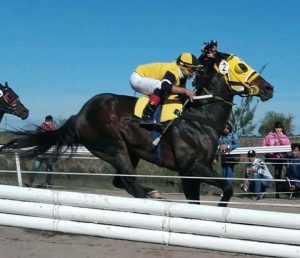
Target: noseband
x=8 y=100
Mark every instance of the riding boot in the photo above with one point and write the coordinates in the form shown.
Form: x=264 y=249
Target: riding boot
x=147 y=121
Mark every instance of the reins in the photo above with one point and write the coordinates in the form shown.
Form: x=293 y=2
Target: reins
x=217 y=97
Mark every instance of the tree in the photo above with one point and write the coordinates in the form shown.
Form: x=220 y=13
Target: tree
x=270 y=118
x=242 y=116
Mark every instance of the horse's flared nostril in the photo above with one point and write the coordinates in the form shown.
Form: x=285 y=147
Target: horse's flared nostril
x=270 y=89
x=24 y=115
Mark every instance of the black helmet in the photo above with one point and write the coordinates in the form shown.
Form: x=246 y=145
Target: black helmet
x=213 y=43
x=49 y=118
x=208 y=45
x=251 y=154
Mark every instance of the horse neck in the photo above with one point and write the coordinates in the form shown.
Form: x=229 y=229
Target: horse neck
x=217 y=109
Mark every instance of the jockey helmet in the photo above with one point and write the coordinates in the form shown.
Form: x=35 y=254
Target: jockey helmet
x=213 y=43
x=209 y=45
x=188 y=64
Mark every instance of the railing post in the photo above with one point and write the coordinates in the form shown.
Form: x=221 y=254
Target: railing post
x=18 y=167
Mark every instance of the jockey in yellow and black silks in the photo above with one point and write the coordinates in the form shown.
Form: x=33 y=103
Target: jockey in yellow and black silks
x=159 y=79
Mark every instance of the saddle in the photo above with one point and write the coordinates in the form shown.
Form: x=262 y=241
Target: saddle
x=170 y=107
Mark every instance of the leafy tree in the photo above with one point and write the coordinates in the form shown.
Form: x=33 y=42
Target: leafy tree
x=242 y=116
x=271 y=118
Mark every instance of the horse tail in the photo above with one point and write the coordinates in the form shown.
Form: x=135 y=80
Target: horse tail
x=39 y=141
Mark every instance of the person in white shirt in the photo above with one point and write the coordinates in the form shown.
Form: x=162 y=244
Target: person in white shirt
x=258 y=170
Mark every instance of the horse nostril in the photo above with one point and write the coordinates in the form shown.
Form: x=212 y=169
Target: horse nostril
x=269 y=89
x=24 y=114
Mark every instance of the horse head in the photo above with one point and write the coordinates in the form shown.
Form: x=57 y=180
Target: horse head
x=10 y=103
x=239 y=78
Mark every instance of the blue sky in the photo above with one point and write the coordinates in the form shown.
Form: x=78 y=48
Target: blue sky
x=58 y=54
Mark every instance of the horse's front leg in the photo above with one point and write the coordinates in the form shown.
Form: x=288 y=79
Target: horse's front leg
x=191 y=189
x=198 y=169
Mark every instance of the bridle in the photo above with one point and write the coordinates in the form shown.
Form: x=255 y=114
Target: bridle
x=218 y=97
x=238 y=76
x=8 y=100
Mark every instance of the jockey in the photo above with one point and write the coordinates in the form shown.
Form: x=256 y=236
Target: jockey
x=210 y=54
x=159 y=79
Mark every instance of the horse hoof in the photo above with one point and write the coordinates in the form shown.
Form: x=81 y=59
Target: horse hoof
x=155 y=194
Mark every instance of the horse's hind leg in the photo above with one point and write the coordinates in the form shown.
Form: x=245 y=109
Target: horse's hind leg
x=150 y=192
x=123 y=165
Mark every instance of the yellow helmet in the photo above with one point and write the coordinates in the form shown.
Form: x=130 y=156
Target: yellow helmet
x=188 y=64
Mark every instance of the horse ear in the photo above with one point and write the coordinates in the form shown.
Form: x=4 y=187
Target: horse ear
x=6 y=84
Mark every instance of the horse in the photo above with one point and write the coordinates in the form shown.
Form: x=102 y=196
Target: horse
x=107 y=127
x=10 y=103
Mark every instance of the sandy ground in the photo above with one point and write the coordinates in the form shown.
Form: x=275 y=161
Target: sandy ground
x=27 y=243
x=24 y=243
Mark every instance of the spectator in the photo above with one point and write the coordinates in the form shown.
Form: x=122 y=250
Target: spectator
x=37 y=163
x=228 y=142
x=256 y=169
x=292 y=174
x=276 y=138
x=210 y=54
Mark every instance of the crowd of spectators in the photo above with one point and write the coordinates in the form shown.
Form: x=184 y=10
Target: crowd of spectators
x=265 y=172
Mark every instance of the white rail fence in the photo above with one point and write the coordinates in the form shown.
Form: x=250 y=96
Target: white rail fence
x=224 y=229
x=82 y=152
x=274 y=234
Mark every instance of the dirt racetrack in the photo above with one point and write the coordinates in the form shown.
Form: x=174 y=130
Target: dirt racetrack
x=24 y=243
x=27 y=243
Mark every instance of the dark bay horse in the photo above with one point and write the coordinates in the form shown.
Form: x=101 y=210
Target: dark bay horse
x=106 y=126
x=10 y=103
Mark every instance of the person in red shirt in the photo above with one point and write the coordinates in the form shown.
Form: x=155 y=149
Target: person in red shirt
x=47 y=125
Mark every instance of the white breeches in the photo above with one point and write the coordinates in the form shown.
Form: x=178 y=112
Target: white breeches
x=144 y=85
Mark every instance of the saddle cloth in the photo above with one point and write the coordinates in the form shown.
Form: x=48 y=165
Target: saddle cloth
x=169 y=106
